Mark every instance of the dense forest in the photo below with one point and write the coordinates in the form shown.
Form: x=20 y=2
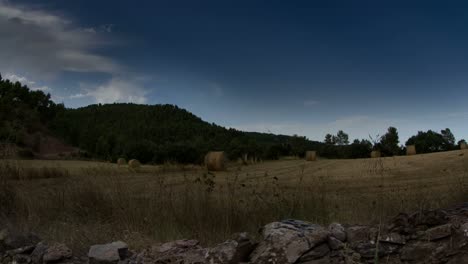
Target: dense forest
x=162 y=133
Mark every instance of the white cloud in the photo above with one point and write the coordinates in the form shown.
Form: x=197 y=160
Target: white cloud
x=45 y=44
x=42 y=43
x=78 y=95
x=25 y=81
x=106 y=28
x=115 y=90
x=308 y=103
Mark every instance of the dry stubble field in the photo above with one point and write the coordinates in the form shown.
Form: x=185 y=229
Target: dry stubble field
x=82 y=203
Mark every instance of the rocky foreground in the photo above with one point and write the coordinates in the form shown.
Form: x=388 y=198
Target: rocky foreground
x=437 y=236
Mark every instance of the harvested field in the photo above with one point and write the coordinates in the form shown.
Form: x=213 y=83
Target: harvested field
x=96 y=202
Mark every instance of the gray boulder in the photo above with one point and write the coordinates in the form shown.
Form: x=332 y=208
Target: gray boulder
x=419 y=250
x=439 y=232
x=108 y=253
x=357 y=234
x=337 y=231
x=56 y=252
x=287 y=241
x=334 y=243
x=393 y=238
x=315 y=253
x=232 y=251
x=38 y=253
x=12 y=239
x=180 y=251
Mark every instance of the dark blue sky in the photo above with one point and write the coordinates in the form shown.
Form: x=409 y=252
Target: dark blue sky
x=293 y=67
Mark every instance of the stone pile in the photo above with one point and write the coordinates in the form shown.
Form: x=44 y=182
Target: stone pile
x=436 y=236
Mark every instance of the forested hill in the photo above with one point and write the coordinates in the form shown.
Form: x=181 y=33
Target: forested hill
x=159 y=133
x=24 y=113
x=150 y=133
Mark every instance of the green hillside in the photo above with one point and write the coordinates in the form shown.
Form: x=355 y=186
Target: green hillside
x=150 y=133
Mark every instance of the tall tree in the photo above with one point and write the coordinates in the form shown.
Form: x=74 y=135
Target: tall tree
x=342 y=138
x=449 y=138
x=329 y=139
x=389 y=142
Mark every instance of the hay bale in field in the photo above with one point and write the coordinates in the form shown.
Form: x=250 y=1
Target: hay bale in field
x=121 y=162
x=411 y=150
x=463 y=145
x=134 y=164
x=311 y=155
x=375 y=154
x=245 y=158
x=215 y=161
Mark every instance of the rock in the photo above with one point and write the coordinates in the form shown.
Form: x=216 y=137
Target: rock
x=334 y=243
x=21 y=250
x=108 y=253
x=461 y=258
x=337 y=231
x=444 y=250
x=324 y=260
x=287 y=241
x=232 y=251
x=180 y=251
x=439 y=232
x=421 y=235
x=56 y=252
x=369 y=250
x=420 y=251
x=356 y=234
x=5 y=259
x=12 y=239
x=400 y=224
x=21 y=259
x=460 y=236
x=38 y=253
x=315 y=253
x=393 y=238
x=428 y=218
x=177 y=245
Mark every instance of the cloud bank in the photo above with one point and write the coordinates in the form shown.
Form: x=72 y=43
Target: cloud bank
x=116 y=90
x=40 y=45
x=39 y=42
x=25 y=81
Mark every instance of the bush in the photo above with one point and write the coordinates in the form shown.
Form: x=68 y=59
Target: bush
x=7 y=194
x=25 y=154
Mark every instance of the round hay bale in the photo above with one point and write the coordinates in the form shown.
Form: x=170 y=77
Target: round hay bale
x=463 y=145
x=411 y=150
x=215 y=161
x=375 y=154
x=311 y=155
x=121 y=162
x=134 y=164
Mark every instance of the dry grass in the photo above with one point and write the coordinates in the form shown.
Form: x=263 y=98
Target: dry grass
x=99 y=202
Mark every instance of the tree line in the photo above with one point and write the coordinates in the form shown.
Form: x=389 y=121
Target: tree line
x=162 y=133
x=389 y=144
